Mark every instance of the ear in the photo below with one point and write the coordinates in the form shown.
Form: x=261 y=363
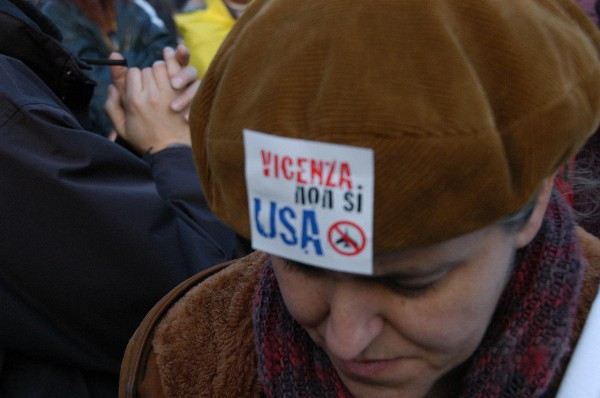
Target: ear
x=527 y=232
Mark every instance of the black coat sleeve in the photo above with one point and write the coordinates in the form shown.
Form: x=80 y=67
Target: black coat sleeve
x=91 y=236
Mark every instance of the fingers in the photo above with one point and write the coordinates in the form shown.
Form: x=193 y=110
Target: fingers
x=150 y=122
x=114 y=109
x=118 y=73
x=180 y=73
x=183 y=55
x=151 y=83
x=173 y=65
x=183 y=77
x=133 y=81
x=187 y=75
x=161 y=76
x=184 y=99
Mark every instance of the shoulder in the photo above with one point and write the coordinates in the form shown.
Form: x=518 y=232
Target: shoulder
x=145 y=9
x=56 y=6
x=74 y=25
x=204 y=345
x=60 y=9
x=228 y=291
x=192 y=5
x=21 y=88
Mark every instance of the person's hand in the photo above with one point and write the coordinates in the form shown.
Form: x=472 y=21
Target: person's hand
x=139 y=105
x=183 y=77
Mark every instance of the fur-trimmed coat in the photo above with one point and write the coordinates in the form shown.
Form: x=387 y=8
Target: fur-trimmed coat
x=203 y=346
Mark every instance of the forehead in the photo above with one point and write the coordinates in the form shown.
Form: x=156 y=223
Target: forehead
x=425 y=258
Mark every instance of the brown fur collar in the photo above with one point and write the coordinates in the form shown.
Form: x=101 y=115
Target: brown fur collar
x=204 y=346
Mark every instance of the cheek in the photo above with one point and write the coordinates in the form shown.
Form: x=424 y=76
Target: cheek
x=303 y=295
x=452 y=321
x=453 y=328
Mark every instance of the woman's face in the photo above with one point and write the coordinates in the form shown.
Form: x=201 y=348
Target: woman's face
x=422 y=313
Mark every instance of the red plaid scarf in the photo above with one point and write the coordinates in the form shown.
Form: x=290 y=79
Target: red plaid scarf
x=518 y=357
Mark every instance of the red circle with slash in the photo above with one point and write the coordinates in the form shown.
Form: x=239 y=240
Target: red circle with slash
x=347 y=238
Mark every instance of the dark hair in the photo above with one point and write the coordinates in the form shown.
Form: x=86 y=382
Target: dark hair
x=101 y=12
x=517 y=219
x=586 y=186
x=584 y=191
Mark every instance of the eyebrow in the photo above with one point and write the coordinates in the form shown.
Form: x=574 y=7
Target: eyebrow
x=399 y=275
x=442 y=268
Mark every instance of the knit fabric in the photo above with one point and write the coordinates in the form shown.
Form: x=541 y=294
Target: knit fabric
x=518 y=357
x=289 y=364
x=530 y=333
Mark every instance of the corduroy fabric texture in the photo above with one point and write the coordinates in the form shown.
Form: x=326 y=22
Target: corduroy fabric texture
x=467 y=105
x=519 y=356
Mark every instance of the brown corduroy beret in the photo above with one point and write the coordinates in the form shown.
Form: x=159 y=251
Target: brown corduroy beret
x=467 y=104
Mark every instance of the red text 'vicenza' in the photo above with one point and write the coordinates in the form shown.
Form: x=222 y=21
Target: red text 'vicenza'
x=304 y=170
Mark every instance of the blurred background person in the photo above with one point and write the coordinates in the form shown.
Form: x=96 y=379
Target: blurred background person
x=92 y=234
x=203 y=25
x=92 y=29
x=589 y=7
x=165 y=9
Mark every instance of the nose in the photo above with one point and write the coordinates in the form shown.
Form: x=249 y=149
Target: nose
x=354 y=320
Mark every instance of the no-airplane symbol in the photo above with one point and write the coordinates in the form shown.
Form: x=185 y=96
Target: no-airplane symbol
x=347 y=238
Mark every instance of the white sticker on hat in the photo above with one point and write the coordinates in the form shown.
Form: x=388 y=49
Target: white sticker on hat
x=310 y=201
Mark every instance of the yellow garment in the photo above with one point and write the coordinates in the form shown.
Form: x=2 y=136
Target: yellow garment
x=203 y=30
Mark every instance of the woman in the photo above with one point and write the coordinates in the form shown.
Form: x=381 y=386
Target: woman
x=393 y=163
x=93 y=29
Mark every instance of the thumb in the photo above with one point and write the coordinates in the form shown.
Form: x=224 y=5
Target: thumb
x=118 y=73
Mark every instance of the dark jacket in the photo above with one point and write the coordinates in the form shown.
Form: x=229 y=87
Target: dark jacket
x=91 y=235
x=139 y=37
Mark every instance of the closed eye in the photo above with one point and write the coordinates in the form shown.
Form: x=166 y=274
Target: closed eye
x=408 y=286
x=409 y=289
